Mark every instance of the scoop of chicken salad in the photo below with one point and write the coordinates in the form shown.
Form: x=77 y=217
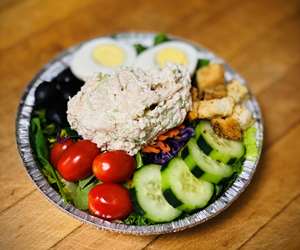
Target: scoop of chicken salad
x=130 y=108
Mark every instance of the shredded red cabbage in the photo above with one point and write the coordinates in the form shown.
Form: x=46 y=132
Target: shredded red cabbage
x=175 y=144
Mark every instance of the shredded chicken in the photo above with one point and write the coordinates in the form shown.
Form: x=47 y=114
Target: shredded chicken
x=130 y=108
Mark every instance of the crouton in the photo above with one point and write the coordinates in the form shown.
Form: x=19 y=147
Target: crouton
x=243 y=116
x=194 y=94
x=210 y=76
x=216 y=107
x=237 y=91
x=193 y=114
x=228 y=128
x=216 y=92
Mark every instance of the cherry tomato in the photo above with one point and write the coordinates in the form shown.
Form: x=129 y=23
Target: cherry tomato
x=110 y=201
x=58 y=149
x=76 y=162
x=114 y=166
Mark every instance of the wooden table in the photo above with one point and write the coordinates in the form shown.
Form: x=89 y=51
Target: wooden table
x=261 y=39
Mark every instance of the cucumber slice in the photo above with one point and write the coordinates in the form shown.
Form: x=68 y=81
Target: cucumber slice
x=218 y=148
x=149 y=196
x=214 y=171
x=182 y=189
x=190 y=162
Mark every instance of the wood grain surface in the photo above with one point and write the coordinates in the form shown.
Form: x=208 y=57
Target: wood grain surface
x=260 y=39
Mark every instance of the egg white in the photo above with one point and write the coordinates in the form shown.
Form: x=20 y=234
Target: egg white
x=146 y=60
x=84 y=66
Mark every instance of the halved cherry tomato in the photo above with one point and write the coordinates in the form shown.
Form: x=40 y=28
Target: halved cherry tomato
x=58 y=149
x=76 y=162
x=114 y=166
x=109 y=201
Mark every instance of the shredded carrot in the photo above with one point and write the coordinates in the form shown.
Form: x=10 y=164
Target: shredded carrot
x=163 y=137
x=172 y=133
x=181 y=126
x=163 y=146
x=151 y=149
x=160 y=145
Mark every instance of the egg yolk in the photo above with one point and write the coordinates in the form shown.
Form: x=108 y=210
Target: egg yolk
x=170 y=55
x=108 y=55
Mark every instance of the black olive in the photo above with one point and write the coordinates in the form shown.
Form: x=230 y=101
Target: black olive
x=58 y=115
x=45 y=94
x=66 y=91
x=67 y=77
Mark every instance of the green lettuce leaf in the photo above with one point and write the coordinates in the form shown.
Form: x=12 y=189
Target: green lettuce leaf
x=201 y=63
x=139 y=160
x=80 y=195
x=249 y=140
x=137 y=219
x=40 y=145
x=139 y=48
x=160 y=38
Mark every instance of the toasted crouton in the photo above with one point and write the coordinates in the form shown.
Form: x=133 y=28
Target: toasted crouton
x=216 y=107
x=216 y=92
x=194 y=94
x=243 y=116
x=228 y=128
x=193 y=114
x=210 y=76
x=237 y=91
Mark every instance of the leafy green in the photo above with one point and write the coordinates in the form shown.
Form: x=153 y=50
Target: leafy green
x=40 y=141
x=41 y=149
x=238 y=165
x=80 y=196
x=139 y=160
x=160 y=38
x=50 y=130
x=137 y=219
x=139 y=48
x=41 y=114
x=201 y=63
x=68 y=132
x=250 y=143
x=227 y=182
x=85 y=182
x=69 y=187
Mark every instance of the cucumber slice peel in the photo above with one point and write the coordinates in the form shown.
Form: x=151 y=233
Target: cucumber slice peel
x=149 y=196
x=178 y=181
x=218 y=148
x=214 y=171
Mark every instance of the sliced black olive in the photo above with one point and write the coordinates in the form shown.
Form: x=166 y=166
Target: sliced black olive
x=57 y=115
x=67 y=84
x=45 y=94
x=66 y=90
x=67 y=77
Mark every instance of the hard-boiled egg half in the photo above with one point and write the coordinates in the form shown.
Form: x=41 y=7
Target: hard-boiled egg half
x=168 y=52
x=103 y=55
